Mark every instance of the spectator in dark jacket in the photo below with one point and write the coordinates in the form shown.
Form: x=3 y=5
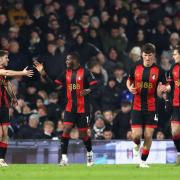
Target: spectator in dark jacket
x=31 y=130
x=121 y=124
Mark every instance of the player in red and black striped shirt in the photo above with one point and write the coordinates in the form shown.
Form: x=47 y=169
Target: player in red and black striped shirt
x=6 y=93
x=174 y=80
x=78 y=82
x=143 y=82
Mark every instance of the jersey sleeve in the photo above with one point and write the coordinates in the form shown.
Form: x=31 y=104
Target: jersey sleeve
x=60 y=80
x=170 y=76
x=162 y=77
x=131 y=73
x=91 y=80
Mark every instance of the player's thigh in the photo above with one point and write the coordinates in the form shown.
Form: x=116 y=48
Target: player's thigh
x=1 y=132
x=148 y=132
x=136 y=119
x=4 y=121
x=82 y=123
x=150 y=120
x=69 y=121
x=175 y=121
x=175 y=118
x=69 y=118
x=136 y=123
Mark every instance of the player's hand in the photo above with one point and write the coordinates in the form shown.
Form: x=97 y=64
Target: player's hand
x=162 y=88
x=38 y=66
x=14 y=102
x=85 y=92
x=132 y=89
x=28 y=73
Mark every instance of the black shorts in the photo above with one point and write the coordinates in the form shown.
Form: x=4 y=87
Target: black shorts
x=4 y=116
x=175 y=118
x=81 y=120
x=143 y=119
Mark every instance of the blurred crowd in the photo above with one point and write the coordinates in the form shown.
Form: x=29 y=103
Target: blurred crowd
x=108 y=35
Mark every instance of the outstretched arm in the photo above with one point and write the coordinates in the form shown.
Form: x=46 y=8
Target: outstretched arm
x=11 y=73
x=40 y=68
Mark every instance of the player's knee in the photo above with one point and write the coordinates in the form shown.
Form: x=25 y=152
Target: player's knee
x=148 y=135
x=4 y=138
x=82 y=135
x=1 y=138
x=136 y=136
x=175 y=132
x=67 y=130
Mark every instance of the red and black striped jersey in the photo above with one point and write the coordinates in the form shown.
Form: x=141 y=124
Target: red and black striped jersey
x=75 y=81
x=146 y=80
x=4 y=99
x=174 y=79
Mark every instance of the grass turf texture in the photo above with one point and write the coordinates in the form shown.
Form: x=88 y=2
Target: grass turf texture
x=81 y=172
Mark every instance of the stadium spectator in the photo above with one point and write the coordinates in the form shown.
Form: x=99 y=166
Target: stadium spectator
x=48 y=131
x=160 y=135
x=107 y=134
x=31 y=130
x=121 y=125
x=17 y=14
x=98 y=127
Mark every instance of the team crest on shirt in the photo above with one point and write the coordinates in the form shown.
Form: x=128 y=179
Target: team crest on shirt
x=153 y=76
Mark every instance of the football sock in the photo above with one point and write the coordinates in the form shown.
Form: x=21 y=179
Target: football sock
x=144 y=154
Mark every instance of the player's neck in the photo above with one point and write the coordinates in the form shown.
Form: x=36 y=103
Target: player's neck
x=1 y=66
x=147 y=65
x=76 y=66
x=177 y=61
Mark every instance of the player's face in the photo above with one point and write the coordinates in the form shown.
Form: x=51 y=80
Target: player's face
x=4 y=60
x=148 y=59
x=69 y=62
x=176 y=56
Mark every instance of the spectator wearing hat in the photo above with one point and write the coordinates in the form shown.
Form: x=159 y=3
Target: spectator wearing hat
x=109 y=95
x=62 y=45
x=121 y=124
x=98 y=128
x=31 y=130
x=53 y=108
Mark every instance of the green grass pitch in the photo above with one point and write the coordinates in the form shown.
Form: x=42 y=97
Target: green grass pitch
x=81 y=172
